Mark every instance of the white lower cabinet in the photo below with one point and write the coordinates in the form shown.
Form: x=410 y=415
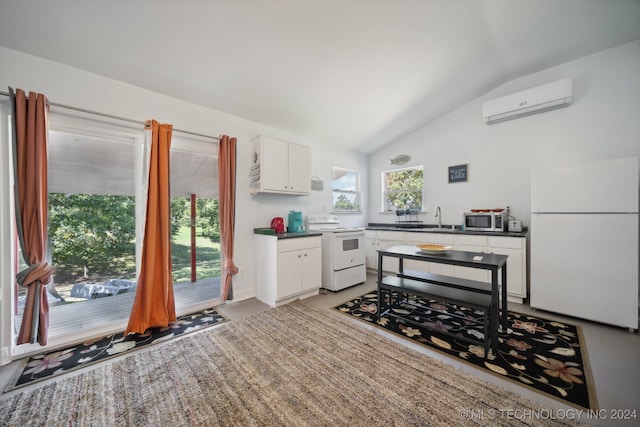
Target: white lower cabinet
x=514 y=247
x=516 y=250
x=472 y=244
x=287 y=269
x=375 y=240
x=429 y=267
x=370 y=244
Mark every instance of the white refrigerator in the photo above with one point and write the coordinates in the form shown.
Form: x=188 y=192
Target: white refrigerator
x=584 y=241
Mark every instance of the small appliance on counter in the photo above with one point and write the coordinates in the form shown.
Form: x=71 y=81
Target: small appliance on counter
x=486 y=220
x=278 y=224
x=295 y=222
x=515 y=226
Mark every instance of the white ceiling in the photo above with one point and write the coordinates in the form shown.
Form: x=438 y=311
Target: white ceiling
x=358 y=73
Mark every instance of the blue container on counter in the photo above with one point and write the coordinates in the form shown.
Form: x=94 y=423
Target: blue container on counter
x=295 y=223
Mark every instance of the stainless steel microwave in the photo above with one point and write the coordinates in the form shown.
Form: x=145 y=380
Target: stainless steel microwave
x=485 y=221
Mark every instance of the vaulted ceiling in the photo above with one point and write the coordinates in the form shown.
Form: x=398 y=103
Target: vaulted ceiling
x=358 y=73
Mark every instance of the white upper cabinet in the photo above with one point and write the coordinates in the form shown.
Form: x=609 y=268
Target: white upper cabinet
x=279 y=167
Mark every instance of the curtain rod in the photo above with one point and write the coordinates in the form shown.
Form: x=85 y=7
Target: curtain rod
x=82 y=110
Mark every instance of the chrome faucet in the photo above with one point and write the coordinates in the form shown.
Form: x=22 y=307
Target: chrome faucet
x=439 y=216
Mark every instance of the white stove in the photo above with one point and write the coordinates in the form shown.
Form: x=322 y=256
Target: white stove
x=343 y=252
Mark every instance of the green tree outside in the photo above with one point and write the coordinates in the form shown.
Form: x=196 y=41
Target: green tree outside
x=86 y=230
x=344 y=204
x=93 y=237
x=404 y=189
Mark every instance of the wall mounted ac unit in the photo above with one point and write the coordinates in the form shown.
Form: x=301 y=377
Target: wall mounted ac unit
x=538 y=99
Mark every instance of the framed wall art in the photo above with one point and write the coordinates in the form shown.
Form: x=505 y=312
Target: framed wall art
x=458 y=173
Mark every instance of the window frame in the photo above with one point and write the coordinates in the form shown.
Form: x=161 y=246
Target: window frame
x=357 y=192
x=385 y=208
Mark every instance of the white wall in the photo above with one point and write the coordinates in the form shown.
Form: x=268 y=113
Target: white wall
x=602 y=123
x=69 y=86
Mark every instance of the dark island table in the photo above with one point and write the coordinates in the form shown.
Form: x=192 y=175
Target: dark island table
x=496 y=264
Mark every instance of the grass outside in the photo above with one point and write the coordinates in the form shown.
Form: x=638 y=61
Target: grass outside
x=207 y=264
x=207 y=256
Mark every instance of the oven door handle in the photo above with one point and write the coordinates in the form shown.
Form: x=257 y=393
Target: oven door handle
x=349 y=234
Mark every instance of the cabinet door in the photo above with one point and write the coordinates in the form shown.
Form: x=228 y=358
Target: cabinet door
x=371 y=246
x=371 y=249
x=274 y=173
x=299 y=168
x=515 y=282
x=289 y=273
x=311 y=269
x=389 y=263
x=472 y=244
x=472 y=273
x=386 y=239
x=416 y=238
x=515 y=249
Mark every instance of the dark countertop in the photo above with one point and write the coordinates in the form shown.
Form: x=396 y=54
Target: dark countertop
x=446 y=229
x=292 y=235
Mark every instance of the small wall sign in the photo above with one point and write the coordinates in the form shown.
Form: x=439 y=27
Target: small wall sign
x=458 y=173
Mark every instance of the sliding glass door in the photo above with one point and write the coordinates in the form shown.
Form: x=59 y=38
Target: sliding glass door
x=94 y=198
x=96 y=219
x=195 y=230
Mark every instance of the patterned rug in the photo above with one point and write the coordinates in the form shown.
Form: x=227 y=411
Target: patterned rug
x=541 y=354
x=295 y=365
x=47 y=365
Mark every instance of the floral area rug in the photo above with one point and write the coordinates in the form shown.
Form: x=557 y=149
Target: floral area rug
x=47 y=365
x=541 y=354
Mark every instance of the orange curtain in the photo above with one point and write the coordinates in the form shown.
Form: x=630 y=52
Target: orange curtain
x=154 y=303
x=227 y=208
x=30 y=139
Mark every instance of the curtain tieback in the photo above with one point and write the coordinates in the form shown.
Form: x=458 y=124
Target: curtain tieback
x=230 y=267
x=41 y=272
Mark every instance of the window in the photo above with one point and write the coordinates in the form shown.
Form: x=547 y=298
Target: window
x=402 y=189
x=346 y=190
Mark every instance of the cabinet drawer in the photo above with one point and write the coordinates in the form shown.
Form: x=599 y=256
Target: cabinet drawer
x=298 y=243
x=419 y=237
x=472 y=240
x=370 y=234
x=506 y=242
x=390 y=235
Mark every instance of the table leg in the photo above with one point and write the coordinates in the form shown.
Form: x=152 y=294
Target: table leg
x=379 y=308
x=495 y=316
x=505 y=310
